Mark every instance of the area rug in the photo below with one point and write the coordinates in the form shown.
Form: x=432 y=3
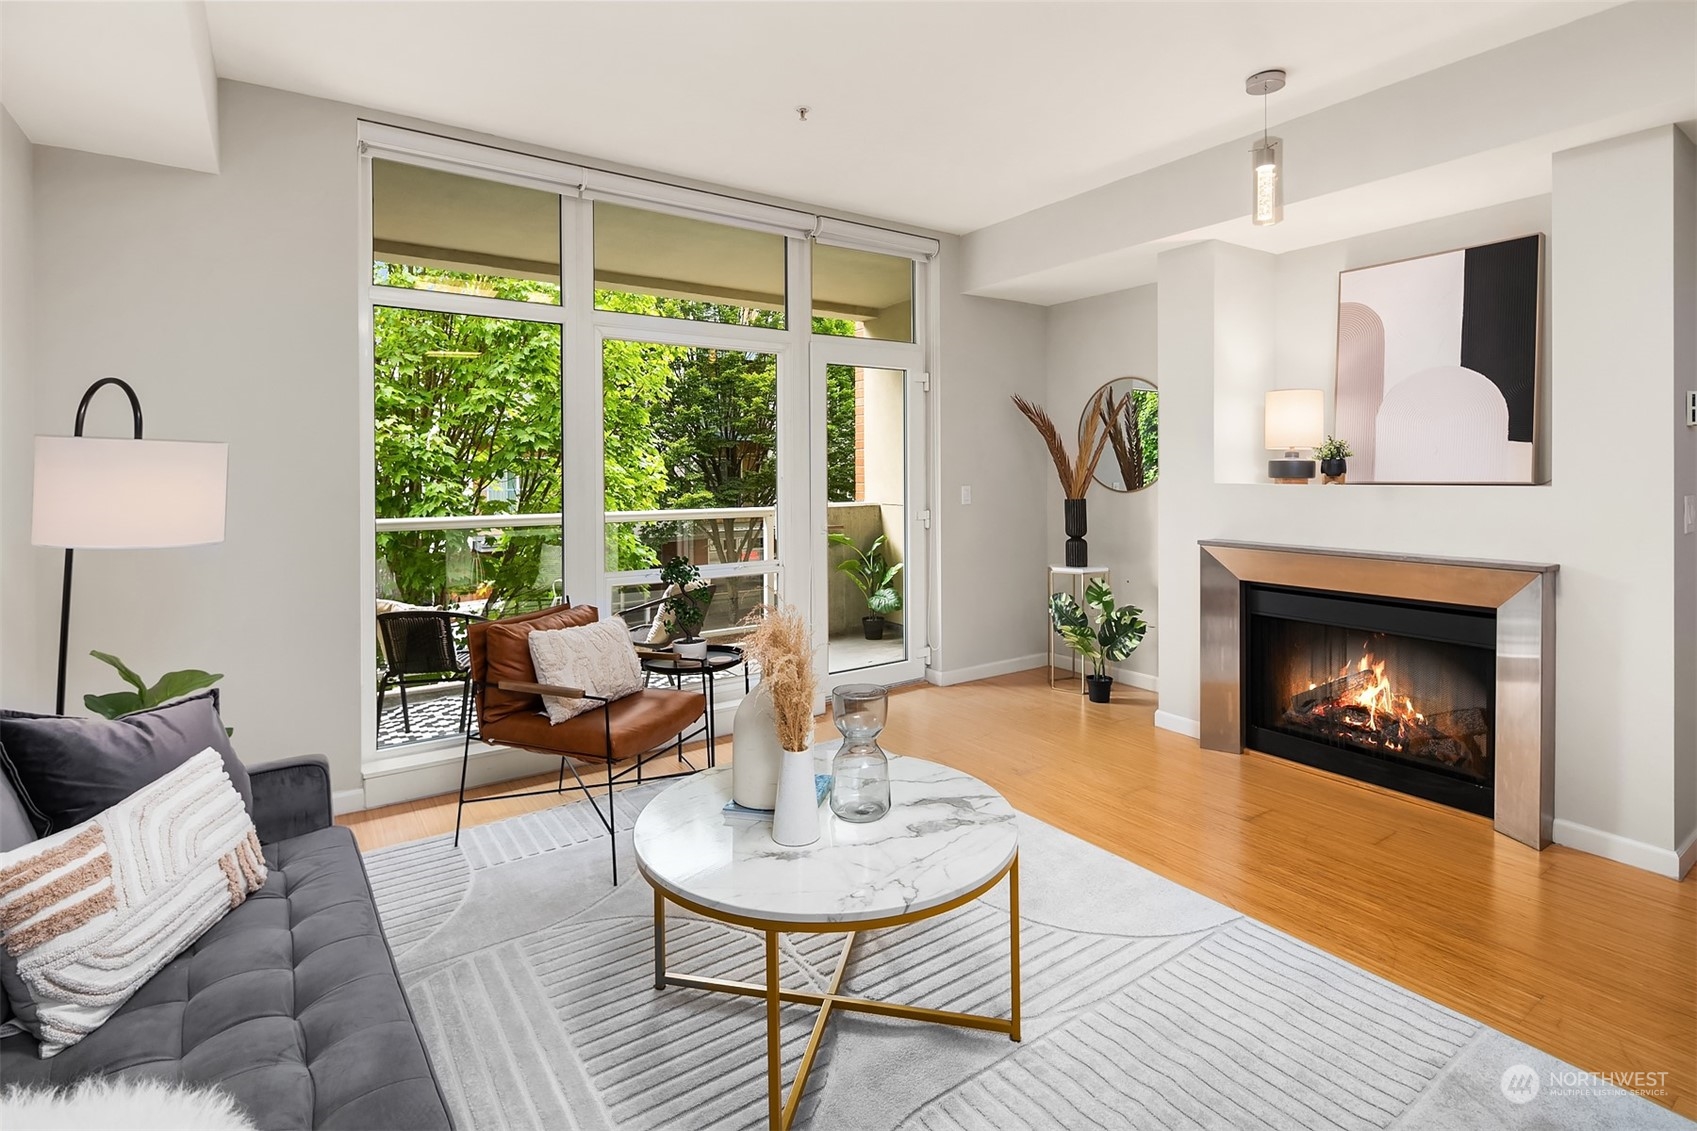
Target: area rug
x=1146 y=1005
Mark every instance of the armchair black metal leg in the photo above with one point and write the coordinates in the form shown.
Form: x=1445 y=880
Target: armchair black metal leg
x=465 y=763
x=406 y=719
x=465 y=706
x=612 y=824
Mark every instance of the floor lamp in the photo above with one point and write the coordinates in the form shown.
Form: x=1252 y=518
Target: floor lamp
x=109 y=494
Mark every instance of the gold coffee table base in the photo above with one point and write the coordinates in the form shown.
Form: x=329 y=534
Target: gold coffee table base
x=781 y=1110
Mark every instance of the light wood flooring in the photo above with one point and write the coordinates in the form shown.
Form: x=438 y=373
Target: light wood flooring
x=1590 y=960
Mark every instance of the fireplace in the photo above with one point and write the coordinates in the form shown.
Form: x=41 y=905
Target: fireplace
x=1433 y=676
x=1396 y=693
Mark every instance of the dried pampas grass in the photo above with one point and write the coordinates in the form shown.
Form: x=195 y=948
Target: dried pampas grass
x=783 y=647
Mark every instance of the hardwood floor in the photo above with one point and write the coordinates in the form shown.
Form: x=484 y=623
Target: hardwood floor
x=1590 y=960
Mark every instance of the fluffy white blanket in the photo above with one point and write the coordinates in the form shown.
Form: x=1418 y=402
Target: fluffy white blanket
x=98 y=1103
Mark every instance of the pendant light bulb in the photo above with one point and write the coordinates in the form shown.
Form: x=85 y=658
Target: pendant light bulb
x=1267 y=197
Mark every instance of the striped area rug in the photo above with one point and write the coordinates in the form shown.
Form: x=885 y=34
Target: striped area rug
x=1145 y=1006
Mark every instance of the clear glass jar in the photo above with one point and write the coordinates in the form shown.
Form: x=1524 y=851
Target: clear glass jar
x=860 y=772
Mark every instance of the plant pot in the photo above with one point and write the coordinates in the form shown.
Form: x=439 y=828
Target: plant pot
x=1099 y=687
x=1333 y=470
x=754 y=769
x=873 y=627
x=1077 y=525
x=795 y=816
x=693 y=648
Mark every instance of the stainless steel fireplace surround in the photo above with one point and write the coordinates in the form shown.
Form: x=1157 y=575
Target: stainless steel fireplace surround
x=1522 y=595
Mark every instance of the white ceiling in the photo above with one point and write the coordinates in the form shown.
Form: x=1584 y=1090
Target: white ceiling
x=947 y=115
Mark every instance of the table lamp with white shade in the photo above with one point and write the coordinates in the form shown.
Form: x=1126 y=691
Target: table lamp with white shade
x=1296 y=419
x=110 y=494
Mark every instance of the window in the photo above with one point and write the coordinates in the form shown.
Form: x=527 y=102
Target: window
x=690 y=469
x=675 y=267
x=438 y=231
x=862 y=294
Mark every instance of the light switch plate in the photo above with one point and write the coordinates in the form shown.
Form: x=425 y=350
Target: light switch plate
x=1691 y=409
x=1690 y=513
x=966 y=496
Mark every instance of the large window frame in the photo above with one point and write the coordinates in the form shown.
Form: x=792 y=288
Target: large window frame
x=798 y=523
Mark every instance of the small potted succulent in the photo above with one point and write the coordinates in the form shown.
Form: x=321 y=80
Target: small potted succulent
x=1332 y=456
x=876 y=581
x=686 y=609
x=1115 y=635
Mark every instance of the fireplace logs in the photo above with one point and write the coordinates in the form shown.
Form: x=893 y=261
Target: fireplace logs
x=1359 y=709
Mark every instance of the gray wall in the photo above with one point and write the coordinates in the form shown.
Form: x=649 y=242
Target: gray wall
x=24 y=682
x=1091 y=342
x=230 y=303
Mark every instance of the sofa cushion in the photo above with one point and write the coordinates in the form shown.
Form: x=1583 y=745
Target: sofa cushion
x=90 y=913
x=290 y=1003
x=595 y=658
x=67 y=769
x=500 y=651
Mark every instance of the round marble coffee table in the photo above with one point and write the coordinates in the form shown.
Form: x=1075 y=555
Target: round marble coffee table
x=947 y=840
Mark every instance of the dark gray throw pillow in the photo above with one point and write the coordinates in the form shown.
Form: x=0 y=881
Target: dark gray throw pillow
x=66 y=770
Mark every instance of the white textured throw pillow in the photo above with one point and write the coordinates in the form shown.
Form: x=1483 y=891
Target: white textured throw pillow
x=598 y=658
x=89 y=914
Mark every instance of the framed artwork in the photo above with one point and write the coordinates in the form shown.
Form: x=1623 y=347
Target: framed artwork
x=1439 y=366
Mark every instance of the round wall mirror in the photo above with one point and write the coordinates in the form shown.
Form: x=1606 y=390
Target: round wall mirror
x=1129 y=409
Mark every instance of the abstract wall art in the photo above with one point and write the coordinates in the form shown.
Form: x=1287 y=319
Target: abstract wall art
x=1438 y=366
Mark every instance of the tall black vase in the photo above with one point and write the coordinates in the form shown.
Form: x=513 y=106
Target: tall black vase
x=1078 y=552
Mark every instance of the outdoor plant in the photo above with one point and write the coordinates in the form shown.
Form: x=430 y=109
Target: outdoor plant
x=1116 y=633
x=171 y=685
x=871 y=574
x=687 y=608
x=1333 y=449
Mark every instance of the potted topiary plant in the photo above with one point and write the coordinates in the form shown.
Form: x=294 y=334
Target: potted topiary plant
x=876 y=581
x=1332 y=456
x=686 y=609
x=1115 y=635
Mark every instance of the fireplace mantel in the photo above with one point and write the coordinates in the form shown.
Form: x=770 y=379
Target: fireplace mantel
x=1522 y=595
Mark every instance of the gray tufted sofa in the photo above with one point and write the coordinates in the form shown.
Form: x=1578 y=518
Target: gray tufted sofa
x=291 y=1003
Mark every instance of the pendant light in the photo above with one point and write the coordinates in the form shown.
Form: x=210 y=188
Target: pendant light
x=1267 y=158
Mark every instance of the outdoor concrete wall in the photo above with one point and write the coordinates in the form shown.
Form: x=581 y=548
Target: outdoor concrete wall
x=1089 y=343
x=1233 y=323
x=24 y=682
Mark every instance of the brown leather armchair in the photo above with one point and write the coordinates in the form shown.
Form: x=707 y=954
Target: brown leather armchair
x=508 y=699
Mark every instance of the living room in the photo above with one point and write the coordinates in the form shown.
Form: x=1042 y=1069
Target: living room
x=243 y=210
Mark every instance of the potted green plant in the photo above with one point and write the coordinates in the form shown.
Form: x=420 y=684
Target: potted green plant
x=686 y=609
x=1117 y=632
x=875 y=579
x=1332 y=456
x=171 y=685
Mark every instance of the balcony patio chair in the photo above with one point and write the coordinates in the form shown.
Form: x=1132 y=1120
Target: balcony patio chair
x=631 y=730
x=419 y=645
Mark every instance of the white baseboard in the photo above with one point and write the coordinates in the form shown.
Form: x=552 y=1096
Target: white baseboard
x=1166 y=720
x=985 y=671
x=1611 y=846
x=1135 y=679
x=347 y=801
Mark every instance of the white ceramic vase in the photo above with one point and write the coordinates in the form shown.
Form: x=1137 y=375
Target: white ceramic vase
x=756 y=752
x=795 y=818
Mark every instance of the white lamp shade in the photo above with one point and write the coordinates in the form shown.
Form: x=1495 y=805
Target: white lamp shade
x=104 y=494
x=1296 y=418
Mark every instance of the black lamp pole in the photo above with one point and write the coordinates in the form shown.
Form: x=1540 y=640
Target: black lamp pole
x=65 y=601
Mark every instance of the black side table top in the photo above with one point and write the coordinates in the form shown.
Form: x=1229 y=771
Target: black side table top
x=720 y=657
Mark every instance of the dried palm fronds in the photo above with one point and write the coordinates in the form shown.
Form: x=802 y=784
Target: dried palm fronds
x=1075 y=476
x=783 y=647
